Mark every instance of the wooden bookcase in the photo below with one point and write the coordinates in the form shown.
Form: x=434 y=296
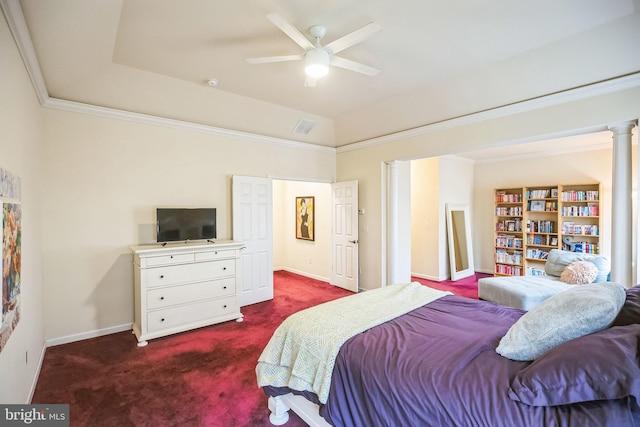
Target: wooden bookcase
x=530 y=221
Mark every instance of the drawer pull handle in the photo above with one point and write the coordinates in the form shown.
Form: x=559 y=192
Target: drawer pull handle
x=162 y=276
x=171 y=256
x=224 y=287
x=224 y=306
x=161 y=298
x=224 y=268
x=162 y=320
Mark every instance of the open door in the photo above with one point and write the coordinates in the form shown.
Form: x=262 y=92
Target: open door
x=345 y=235
x=253 y=225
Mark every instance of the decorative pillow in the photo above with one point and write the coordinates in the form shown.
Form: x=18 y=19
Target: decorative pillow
x=600 y=366
x=630 y=312
x=558 y=260
x=570 y=314
x=579 y=273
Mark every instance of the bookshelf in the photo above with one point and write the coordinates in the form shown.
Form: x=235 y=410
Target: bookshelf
x=531 y=221
x=509 y=243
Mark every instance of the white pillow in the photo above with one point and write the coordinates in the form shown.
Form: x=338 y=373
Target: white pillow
x=570 y=314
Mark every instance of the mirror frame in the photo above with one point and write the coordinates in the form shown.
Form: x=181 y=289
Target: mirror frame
x=452 y=240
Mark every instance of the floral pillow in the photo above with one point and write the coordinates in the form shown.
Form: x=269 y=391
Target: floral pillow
x=579 y=273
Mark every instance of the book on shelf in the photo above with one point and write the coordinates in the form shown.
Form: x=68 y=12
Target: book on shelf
x=580 y=195
x=504 y=197
x=540 y=193
x=508 y=241
x=532 y=271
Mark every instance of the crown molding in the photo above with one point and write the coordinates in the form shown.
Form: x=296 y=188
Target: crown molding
x=113 y=113
x=18 y=27
x=582 y=92
x=17 y=24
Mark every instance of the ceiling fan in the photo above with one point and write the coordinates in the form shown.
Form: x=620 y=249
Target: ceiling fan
x=317 y=58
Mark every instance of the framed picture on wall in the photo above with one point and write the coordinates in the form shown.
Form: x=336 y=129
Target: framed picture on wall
x=305 y=220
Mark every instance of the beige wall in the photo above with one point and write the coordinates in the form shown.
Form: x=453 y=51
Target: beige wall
x=573 y=168
x=435 y=182
x=309 y=258
x=105 y=178
x=21 y=131
x=365 y=162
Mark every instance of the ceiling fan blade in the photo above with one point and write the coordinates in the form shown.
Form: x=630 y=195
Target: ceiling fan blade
x=290 y=30
x=354 y=37
x=267 y=59
x=350 y=65
x=310 y=82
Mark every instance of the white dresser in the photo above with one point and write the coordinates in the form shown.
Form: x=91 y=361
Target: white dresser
x=182 y=286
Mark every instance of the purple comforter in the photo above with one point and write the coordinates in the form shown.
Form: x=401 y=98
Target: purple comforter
x=437 y=366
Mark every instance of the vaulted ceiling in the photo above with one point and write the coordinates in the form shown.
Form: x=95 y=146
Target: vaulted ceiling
x=438 y=59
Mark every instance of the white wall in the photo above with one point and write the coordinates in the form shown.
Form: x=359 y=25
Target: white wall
x=20 y=134
x=309 y=258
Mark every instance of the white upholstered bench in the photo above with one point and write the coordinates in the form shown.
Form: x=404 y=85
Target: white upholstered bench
x=525 y=292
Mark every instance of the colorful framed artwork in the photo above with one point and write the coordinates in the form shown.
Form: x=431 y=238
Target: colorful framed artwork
x=305 y=220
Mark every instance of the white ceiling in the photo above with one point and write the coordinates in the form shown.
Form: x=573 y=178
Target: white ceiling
x=438 y=59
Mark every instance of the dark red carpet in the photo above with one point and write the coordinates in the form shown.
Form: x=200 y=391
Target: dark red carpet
x=204 y=377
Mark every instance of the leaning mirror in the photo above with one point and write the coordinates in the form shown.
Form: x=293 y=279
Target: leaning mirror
x=459 y=239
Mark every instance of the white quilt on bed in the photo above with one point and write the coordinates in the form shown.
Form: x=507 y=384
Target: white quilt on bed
x=302 y=351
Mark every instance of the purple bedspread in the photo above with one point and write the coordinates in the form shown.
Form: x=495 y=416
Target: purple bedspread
x=437 y=366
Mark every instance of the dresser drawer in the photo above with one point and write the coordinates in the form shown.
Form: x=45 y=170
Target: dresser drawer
x=196 y=272
x=184 y=314
x=174 y=295
x=213 y=255
x=168 y=259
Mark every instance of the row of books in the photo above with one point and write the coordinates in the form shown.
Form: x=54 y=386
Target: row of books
x=541 y=226
x=591 y=209
x=580 y=195
x=542 y=193
x=504 y=197
x=582 y=247
x=569 y=227
x=533 y=271
x=537 y=254
x=508 y=270
x=505 y=257
x=506 y=241
x=509 y=225
x=509 y=211
x=542 y=206
x=542 y=239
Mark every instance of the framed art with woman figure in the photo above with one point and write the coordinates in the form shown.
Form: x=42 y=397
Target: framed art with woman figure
x=304 y=218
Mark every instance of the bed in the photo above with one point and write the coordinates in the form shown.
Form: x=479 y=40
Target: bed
x=438 y=364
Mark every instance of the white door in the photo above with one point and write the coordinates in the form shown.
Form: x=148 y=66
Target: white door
x=345 y=235
x=253 y=225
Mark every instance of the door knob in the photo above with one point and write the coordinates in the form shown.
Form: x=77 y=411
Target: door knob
x=353 y=241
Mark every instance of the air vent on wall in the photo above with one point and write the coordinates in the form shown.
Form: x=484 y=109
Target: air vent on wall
x=304 y=126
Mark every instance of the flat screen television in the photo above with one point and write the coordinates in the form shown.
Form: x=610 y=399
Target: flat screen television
x=183 y=224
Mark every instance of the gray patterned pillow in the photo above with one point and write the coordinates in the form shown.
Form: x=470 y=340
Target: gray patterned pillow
x=570 y=314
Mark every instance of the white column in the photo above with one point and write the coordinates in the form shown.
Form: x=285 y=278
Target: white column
x=621 y=207
x=398 y=222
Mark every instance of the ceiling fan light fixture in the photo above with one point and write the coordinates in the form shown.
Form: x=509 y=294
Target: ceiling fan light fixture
x=316 y=63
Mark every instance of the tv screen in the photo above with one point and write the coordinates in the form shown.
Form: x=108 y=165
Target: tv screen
x=182 y=224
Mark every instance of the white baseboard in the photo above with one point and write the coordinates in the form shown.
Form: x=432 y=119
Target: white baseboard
x=303 y=273
x=427 y=277
x=90 y=334
x=34 y=383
